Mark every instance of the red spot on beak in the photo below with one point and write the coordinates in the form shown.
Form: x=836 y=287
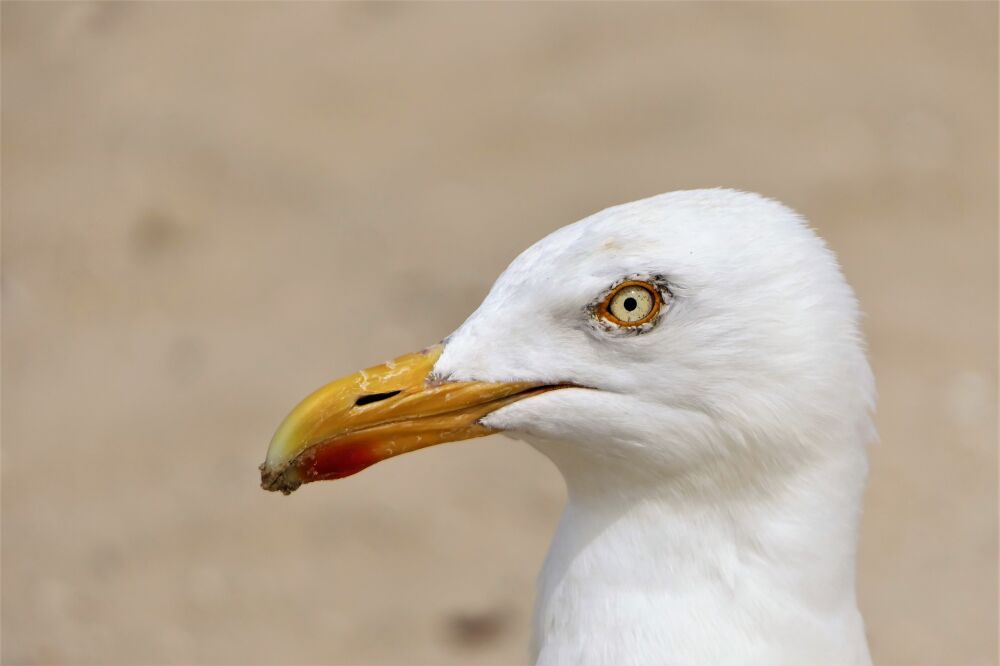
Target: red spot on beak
x=338 y=459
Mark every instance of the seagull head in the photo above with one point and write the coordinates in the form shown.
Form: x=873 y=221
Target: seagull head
x=699 y=330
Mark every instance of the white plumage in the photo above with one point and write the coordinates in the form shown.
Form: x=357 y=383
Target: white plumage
x=692 y=364
x=716 y=462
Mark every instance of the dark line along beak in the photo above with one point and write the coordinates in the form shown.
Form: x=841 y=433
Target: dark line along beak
x=378 y=413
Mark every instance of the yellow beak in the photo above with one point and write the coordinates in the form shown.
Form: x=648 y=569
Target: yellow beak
x=395 y=408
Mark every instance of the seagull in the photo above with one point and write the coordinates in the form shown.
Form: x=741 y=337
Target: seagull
x=692 y=363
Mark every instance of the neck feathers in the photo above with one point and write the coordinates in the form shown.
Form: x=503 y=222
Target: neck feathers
x=705 y=567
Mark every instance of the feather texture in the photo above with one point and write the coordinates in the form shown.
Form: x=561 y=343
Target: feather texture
x=715 y=462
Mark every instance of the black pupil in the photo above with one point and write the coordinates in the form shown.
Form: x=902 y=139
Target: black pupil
x=630 y=304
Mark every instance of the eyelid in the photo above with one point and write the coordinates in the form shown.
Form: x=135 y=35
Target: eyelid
x=603 y=311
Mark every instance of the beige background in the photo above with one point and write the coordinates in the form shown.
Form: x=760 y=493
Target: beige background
x=202 y=201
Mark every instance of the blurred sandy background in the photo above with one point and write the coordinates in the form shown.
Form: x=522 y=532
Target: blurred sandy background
x=199 y=200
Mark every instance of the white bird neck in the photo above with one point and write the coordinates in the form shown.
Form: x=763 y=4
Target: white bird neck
x=698 y=570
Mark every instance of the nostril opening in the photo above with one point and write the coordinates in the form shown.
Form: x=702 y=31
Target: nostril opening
x=374 y=397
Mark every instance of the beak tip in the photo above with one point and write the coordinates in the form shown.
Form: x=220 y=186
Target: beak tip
x=277 y=480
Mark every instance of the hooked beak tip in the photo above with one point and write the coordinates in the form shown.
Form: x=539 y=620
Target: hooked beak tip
x=277 y=480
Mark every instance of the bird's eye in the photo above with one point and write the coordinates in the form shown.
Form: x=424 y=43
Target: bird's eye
x=632 y=303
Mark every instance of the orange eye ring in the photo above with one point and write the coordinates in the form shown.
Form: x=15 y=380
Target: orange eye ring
x=608 y=303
